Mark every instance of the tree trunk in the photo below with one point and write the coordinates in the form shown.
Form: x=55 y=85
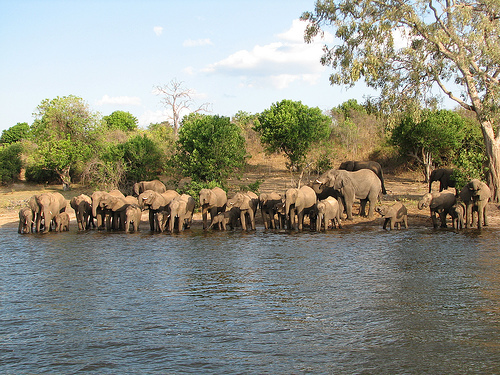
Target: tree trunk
x=65 y=178
x=493 y=152
x=427 y=160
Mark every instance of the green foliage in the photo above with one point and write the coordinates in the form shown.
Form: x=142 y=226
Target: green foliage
x=292 y=128
x=15 y=133
x=143 y=159
x=10 y=162
x=121 y=120
x=209 y=148
x=253 y=186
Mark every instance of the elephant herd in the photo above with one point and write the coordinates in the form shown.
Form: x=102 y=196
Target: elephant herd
x=324 y=201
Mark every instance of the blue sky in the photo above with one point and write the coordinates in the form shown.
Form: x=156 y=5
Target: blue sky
x=236 y=55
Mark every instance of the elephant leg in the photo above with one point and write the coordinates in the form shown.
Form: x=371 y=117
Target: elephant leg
x=300 y=220
x=151 y=220
x=434 y=219
x=362 y=207
x=243 y=220
x=385 y=223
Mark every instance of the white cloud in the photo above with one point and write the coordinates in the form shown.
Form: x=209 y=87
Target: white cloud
x=282 y=62
x=119 y=100
x=158 y=30
x=197 y=42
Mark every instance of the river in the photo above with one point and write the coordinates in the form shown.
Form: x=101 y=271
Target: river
x=350 y=301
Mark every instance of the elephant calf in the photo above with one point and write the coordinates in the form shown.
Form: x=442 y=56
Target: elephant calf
x=457 y=213
x=438 y=203
x=25 y=220
x=395 y=214
x=327 y=211
x=62 y=222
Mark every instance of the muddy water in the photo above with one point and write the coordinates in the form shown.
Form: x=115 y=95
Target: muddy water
x=350 y=301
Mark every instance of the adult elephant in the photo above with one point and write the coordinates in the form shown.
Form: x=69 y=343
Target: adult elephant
x=182 y=209
x=117 y=207
x=444 y=176
x=155 y=185
x=299 y=202
x=353 y=166
x=475 y=195
x=267 y=203
x=102 y=215
x=247 y=204
x=82 y=204
x=438 y=204
x=50 y=205
x=35 y=214
x=213 y=201
x=364 y=185
x=155 y=202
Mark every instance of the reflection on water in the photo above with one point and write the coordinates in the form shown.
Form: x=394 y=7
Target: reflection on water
x=351 y=301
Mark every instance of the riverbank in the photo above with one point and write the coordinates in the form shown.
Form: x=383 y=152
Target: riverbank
x=404 y=188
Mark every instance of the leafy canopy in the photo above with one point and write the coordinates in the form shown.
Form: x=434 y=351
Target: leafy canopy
x=292 y=127
x=121 y=120
x=15 y=133
x=210 y=148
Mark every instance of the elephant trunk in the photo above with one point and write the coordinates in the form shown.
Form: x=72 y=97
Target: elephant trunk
x=421 y=205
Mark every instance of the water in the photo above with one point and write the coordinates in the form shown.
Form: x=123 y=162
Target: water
x=351 y=301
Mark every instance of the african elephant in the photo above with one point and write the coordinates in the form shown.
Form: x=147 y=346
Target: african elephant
x=155 y=185
x=395 y=214
x=25 y=220
x=133 y=214
x=35 y=214
x=323 y=192
x=61 y=221
x=247 y=203
x=103 y=216
x=457 y=213
x=182 y=208
x=438 y=203
x=213 y=201
x=155 y=202
x=327 y=210
x=444 y=176
x=280 y=208
x=82 y=204
x=116 y=206
x=475 y=195
x=353 y=166
x=223 y=219
x=267 y=203
x=299 y=202
x=50 y=205
x=363 y=185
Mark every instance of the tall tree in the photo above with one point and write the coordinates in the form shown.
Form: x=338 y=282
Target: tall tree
x=178 y=102
x=292 y=127
x=121 y=120
x=452 y=45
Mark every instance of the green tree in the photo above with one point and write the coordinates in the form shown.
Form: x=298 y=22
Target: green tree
x=142 y=157
x=436 y=136
x=121 y=120
x=64 y=131
x=10 y=162
x=15 y=133
x=292 y=127
x=449 y=45
x=210 y=148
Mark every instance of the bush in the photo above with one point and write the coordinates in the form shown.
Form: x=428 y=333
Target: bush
x=10 y=162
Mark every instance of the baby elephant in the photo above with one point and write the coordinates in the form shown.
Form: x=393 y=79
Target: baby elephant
x=457 y=213
x=62 y=222
x=25 y=220
x=327 y=211
x=395 y=214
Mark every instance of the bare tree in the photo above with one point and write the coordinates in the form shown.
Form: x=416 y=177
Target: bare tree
x=178 y=101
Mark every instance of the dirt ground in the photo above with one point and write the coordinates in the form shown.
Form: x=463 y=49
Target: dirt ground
x=406 y=188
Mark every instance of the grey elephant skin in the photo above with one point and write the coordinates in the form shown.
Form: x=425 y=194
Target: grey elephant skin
x=133 y=214
x=155 y=185
x=394 y=214
x=213 y=201
x=117 y=206
x=363 y=185
x=299 y=202
x=353 y=166
x=50 y=204
x=82 y=205
x=227 y=218
x=246 y=204
x=61 y=221
x=444 y=176
x=181 y=211
x=475 y=195
x=103 y=216
x=155 y=202
x=25 y=220
x=267 y=203
x=328 y=211
x=457 y=213
x=439 y=204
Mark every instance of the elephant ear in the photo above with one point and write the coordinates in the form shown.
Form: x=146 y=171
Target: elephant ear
x=212 y=199
x=155 y=201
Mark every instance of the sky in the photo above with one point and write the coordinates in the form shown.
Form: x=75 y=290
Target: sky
x=237 y=55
